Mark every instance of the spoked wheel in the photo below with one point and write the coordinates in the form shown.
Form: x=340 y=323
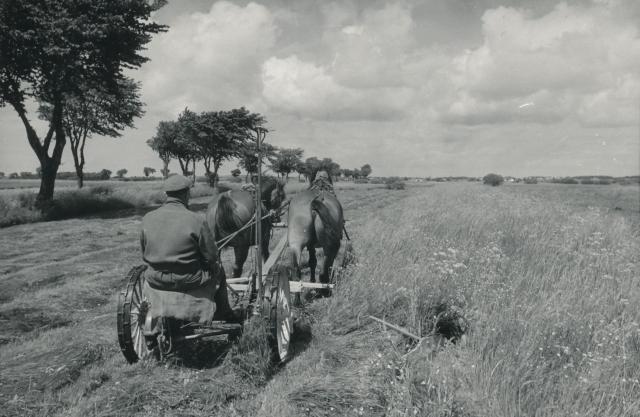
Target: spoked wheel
x=132 y=315
x=276 y=309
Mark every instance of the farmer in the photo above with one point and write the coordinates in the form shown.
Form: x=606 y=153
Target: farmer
x=180 y=249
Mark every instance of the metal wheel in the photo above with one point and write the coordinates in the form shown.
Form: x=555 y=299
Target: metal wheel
x=132 y=315
x=276 y=309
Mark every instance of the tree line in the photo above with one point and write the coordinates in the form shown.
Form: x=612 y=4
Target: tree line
x=213 y=137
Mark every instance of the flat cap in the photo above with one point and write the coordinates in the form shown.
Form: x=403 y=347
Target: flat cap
x=176 y=183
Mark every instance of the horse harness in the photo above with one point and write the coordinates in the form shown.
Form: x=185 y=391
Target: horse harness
x=324 y=186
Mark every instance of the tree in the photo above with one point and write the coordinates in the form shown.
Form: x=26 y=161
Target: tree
x=54 y=50
x=330 y=166
x=121 y=173
x=148 y=171
x=13 y=176
x=493 y=179
x=1 y=174
x=164 y=143
x=365 y=170
x=105 y=174
x=185 y=147
x=311 y=166
x=249 y=157
x=236 y=173
x=96 y=112
x=286 y=160
x=348 y=174
x=220 y=135
x=301 y=169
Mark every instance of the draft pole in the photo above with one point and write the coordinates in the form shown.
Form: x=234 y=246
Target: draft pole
x=260 y=134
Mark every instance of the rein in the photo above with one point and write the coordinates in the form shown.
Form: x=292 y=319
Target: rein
x=225 y=241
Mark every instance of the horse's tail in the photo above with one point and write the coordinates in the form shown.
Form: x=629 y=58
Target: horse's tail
x=332 y=229
x=227 y=218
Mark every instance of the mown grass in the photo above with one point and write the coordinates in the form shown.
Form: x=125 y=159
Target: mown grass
x=61 y=281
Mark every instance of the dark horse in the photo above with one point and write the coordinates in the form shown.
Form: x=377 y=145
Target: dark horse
x=231 y=210
x=315 y=220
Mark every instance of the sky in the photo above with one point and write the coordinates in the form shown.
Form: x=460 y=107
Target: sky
x=413 y=88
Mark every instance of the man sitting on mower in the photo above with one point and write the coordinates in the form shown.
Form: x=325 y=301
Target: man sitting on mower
x=182 y=259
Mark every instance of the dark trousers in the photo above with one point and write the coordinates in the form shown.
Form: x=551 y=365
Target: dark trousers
x=223 y=308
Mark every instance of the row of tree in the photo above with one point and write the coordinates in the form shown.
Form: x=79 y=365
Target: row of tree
x=211 y=137
x=217 y=136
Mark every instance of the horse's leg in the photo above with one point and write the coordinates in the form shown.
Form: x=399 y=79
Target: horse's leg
x=330 y=254
x=241 y=252
x=313 y=261
x=296 y=255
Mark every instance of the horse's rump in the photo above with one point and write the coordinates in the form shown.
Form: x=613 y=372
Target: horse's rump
x=331 y=224
x=228 y=215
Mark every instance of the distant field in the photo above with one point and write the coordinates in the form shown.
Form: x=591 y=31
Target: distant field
x=538 y=283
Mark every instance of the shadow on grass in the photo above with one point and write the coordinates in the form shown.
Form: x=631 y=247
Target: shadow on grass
x=251 y=353
x=135 y=211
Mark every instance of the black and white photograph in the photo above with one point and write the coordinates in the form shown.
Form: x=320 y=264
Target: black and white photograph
x=283 y=208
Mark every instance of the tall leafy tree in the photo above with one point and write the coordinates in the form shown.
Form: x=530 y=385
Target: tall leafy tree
x=249 y=157
x=185 y=147
x=332 y=168
x=164 y=143
x=52 y=50
x=96 y=112
x=312 y=165
x=286 y=160
x=365 y=170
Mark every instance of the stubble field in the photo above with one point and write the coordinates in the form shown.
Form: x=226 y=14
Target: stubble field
x=537 y=284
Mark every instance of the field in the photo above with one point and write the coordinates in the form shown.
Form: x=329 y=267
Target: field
x=535 y=284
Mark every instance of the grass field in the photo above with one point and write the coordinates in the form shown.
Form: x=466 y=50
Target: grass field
x=537 y=283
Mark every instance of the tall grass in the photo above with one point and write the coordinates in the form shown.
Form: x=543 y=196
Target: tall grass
x=547 y=291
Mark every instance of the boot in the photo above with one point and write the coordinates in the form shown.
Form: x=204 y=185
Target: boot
x=224 y=311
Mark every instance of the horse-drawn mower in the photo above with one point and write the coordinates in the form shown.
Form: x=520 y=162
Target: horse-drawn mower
x=266 y=293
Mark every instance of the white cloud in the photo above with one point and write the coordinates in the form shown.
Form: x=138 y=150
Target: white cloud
x=208 y=60
x=308 y=90
x=615 y=106
x=576 y=56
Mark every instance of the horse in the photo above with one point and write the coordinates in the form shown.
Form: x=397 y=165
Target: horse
x=315 y=220
x=230 y=211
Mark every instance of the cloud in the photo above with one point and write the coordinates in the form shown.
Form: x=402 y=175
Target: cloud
x=209 y=60
x=575 y=56
x=308 y=90
x=371 y=50
x=615 y=106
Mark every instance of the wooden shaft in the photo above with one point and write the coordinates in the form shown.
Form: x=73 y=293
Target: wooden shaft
x=396 y=328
